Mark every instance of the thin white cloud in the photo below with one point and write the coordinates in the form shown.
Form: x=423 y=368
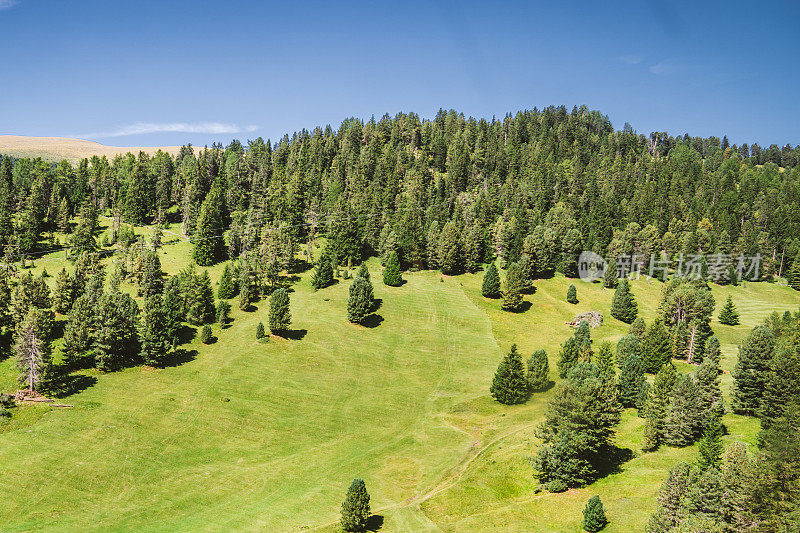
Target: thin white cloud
x=663 y=68
x=7 y=4
x=144 y=128
x=630 y=60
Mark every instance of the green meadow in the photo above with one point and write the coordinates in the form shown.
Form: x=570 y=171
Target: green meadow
x=240 y=435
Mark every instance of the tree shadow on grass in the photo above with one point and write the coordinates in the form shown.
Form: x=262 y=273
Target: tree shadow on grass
x=178 y=357
x=294 y=334
x=550 y=384
x=375 y=522
x=376 y=304
x=69 y=384
x=372 y=321
x=523 y=307
x=611 y=460
x=186 y=334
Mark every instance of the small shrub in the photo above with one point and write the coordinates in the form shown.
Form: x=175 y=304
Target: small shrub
x=556 y=485
x=205 y=334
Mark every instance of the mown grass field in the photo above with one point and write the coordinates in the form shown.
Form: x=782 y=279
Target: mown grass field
x=55 y=149
x=267 y=437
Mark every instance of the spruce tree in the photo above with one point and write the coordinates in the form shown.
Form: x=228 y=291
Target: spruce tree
x=323 y=274
x=711 y=447
x=752 y=370
x=512 y=292
x=710 y=400
x=451 y=256
x=115 y=340
x=794 y=273
x=206 y=334
x=568 y=357
x=223 y=314
x=680 y=340
x=729 y=315
x=207 y=237
x=594 y=516
x=623 y=305
x=656 y=348
x=260 y=331
x=538 y=371
x=64 y=295
x=280 y=318
x=510 y=385
x=391 y=273
x=712 y=351
x=638 y=328
x=610 y=275
x=200 y=299
x=156 y=341
x=491 y=282
x=355 y=508
x=628 y=345
x=781 y=386
x=32 y=348
x=604 y=359
x=359 y=303
x=630 y=380
x=572 y=294
x=78 y=335
x=684 y=420
x=657 y=407
x=227 y=288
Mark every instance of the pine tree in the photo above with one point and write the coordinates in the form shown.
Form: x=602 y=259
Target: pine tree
x=355 y=508
x=323 y=274
x=64 y=295
x=156 y=341
x=227 y=288
x=115 y=340
x=391 y=273
x=752 y=370
x=359 y=303
x=491 y=282
x=712 y=351
x=207 y=238
x=572 y=294
x=780 y=388
x=638 y=328
x=260 y=331
x=729 y=315
x=710 y=400
x=794 y=273
x=594 y=516
x=538 y=371
x=280 y=318
x=630 y=380
x=223 y=314
x=680 y=340
x=583 y=339
x=623 y=305
x=628 y=345
x=604 y=359
x=512 y=293
x=568 y=357
x=451 y=257
x=684 y=420
x=200 y=299
x=32 y=348
x=78 y=335
x=656 y=348
x=711 y=447
x=610 y=275
x=657 y=407
x=206 y=334
x=510 y=385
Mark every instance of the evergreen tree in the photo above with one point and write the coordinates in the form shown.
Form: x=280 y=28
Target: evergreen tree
x=260 y=331
x=280 y=318
x=359 y=303
x=712 y=351
x=572 y=294
x=780 y=388
x=64 y=296
x=729 y=315
x=680 y=341
x=78 y=335
x=630 y=380
x=610 y=275
x=205 y=334
x=794 y=273
x=156 y=341
x=656 y=348
x=752 y=370
x=355 y=508
x=711 y=447
x=491 y=282
x=323 y=274
x=512 y=293
x=628 y=345
x=207 y=237
x=391 y=273
x=151 y=277
x=510 y=385
x=623 y=305
x=684 y=420
x=657 y=407
x=227 y=287
x=710 y=400
x=32 y=348
x=451 y=260
x=604 y=359
x=594 y=516
x=638 y=328
x=538 y=371
x=115 y=340
x=568 y=357
x=200 y=299
x=223 y=314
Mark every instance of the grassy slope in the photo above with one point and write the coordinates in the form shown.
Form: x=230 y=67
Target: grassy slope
x=58 y=148
x=267 y=437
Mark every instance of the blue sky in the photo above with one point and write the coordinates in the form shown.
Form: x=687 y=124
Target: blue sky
x=154 y=73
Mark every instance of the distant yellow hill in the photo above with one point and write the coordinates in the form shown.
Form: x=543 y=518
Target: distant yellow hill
x=58 y=148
